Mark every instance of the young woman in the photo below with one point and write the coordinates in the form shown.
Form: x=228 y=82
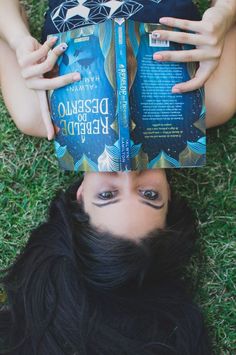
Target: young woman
x=82 y=287
x=23 y=85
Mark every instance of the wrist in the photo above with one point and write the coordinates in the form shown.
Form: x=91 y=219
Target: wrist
x=228 y=7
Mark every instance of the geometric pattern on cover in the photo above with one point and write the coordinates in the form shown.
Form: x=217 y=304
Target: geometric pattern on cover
x=77 y=13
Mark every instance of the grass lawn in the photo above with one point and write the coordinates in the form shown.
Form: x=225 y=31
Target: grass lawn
x=29 y=177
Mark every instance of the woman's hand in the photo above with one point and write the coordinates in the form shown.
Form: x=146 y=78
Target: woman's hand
x=35 y=60
x=208 y=38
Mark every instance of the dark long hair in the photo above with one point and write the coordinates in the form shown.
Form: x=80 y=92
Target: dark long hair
x=76 y=291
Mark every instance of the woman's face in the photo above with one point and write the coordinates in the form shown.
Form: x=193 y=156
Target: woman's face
x=129 y=204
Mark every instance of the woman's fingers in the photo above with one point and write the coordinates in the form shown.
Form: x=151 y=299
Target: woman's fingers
x=194 y=55
x=51 y=84
x=179 y=37
x=37 y=55
x=46 y=66
x=205 y=35
x=202 y=75
x=46 y=114
x=194 y=26
x=190 y=85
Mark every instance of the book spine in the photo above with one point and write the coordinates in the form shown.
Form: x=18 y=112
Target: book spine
x=123 y=113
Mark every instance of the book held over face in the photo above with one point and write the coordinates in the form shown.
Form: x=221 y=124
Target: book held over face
x=122 y=115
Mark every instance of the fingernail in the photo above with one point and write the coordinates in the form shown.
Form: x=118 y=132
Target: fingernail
x=63 y=47
x=53 y=40
x=156 y=35
x=176 y=91
x=51 y=134
x=157 y=56
x=76 y=77
x=163 y=19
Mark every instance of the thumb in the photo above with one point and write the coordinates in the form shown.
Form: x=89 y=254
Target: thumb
x=46 y=114
x=203 y=73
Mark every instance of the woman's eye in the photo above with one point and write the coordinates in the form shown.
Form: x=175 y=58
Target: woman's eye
x=107 y=195
x=150 y=194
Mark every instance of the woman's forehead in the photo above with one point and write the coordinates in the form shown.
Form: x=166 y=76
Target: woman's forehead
x=154 y=173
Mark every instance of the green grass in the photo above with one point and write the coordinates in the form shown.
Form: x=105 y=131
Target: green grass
x=29 y=177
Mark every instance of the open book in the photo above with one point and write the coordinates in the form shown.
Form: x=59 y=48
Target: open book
x=122 y=115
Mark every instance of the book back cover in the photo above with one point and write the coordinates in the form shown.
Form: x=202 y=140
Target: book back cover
x=168 y=130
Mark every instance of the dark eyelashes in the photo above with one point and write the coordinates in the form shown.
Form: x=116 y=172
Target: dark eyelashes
x=107 y=195
x=150 y=195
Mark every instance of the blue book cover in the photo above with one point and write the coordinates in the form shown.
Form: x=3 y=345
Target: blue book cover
x=122 y=115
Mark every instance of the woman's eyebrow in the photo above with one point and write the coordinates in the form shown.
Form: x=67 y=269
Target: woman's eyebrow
x=156 y=207
x=117 y=201
x=106 y=203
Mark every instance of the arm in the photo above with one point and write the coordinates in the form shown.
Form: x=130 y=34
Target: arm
x=12 y=28
x=208 y=38
x=229 y=6
x=228 y=9
x=34 y=59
